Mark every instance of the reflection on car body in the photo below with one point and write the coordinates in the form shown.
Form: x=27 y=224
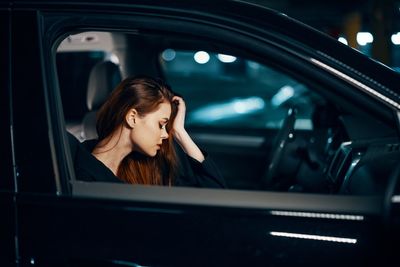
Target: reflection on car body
x=314 y=186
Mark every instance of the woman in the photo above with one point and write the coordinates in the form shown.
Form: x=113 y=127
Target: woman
x=138 y=126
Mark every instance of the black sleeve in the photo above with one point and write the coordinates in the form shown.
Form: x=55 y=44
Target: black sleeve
x=76 y=152
x=198 y=174
x=87 y=167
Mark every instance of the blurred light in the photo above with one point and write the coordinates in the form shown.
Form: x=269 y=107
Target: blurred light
x=396 y=199
x=396 y=38
x=201 y=57
x=364 y=38
x=343 y=40
x=168 y=54
x=282 y=95
x=248 y=105
x=318 y=215
x=253 y=65
x=316 y=237
x=303 y=124
x=228 y=110
x=226 y=58
x=125 y=263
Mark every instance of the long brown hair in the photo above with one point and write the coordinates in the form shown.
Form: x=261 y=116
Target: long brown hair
x=143 y=94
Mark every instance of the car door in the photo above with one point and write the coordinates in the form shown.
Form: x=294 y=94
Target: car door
x=66 y=222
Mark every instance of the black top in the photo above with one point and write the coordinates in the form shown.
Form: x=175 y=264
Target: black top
x=190 y=173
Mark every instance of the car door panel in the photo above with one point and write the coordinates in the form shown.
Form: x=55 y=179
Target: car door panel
x=87 y=229
x=7 y=186
x=30 y=124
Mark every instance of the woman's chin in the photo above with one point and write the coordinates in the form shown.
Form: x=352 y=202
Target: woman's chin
x=148 y=152
x=152 y=153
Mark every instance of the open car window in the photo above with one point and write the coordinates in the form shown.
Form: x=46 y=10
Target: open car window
x=266 y=129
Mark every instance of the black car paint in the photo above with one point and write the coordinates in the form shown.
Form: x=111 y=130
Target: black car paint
x=155 y=234
x=44 y=225
x=7 y=186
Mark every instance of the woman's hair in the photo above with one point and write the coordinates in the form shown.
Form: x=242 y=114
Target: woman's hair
x=143 y=94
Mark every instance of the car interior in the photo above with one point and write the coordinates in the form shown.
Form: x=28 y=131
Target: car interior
x=264 y=126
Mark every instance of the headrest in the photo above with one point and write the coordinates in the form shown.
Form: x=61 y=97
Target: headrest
x=103 y=78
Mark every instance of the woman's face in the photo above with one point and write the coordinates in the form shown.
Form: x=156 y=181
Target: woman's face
x=150 y=130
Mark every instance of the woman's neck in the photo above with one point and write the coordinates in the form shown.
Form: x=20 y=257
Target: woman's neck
x=113 y=149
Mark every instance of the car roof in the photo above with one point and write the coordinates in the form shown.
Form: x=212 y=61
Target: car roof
x=247 y=14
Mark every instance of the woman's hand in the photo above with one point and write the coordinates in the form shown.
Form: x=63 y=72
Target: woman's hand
x=179 y=122
x=180 y=134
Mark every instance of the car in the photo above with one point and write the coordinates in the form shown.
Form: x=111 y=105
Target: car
x=304 y=129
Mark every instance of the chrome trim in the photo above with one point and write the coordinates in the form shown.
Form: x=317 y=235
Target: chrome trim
x=315 y=237
x=57 y=177
x=318 y=215
x=15 y=167
x=358 y=84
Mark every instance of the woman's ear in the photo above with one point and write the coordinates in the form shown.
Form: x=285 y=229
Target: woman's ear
x=130 y=118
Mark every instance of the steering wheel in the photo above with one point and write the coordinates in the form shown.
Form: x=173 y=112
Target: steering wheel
x=283 y=137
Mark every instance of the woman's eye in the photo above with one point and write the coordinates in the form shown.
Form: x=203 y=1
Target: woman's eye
x=163 y=124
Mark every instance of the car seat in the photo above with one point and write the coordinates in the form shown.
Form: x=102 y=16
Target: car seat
x=104 y=77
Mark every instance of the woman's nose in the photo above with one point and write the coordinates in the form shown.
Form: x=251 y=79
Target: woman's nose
x=164 y=134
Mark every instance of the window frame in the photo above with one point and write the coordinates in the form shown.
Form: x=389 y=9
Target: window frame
x=58 y=24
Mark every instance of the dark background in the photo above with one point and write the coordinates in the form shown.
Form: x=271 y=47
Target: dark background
x=345 y=18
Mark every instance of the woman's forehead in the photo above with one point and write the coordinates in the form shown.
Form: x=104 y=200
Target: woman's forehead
x=163 y=110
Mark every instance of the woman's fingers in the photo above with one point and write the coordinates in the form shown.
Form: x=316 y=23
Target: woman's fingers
x=180 y=103
x=179 y=122
x=178 y=100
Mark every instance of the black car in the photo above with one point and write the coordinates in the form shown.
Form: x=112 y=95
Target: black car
x=304 y=129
